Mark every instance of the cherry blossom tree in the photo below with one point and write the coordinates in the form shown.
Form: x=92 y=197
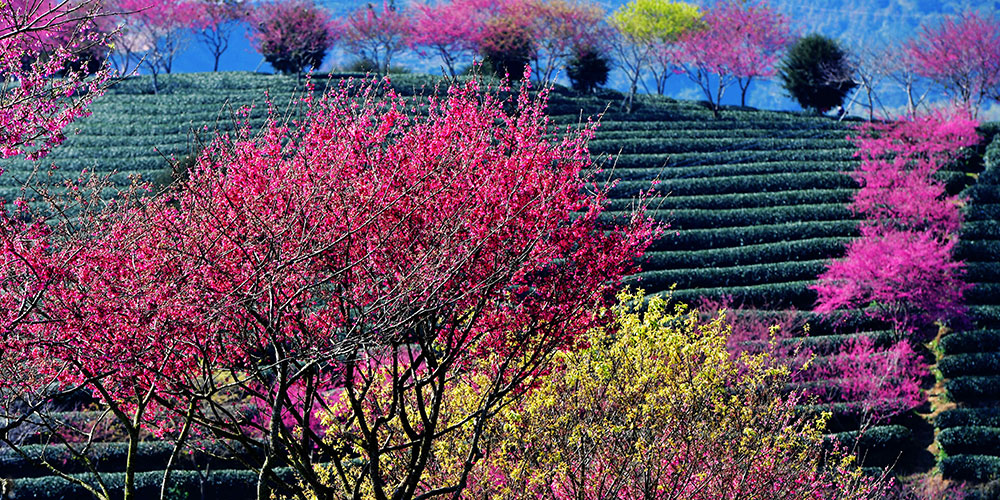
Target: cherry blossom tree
x=40 y=39
x=292 y=35
x=377 y=34
x=561 y=29
x=215 y=22
x=153 y=33
x=901 y=269
x=359 y=243
x=735 y=43
x=450 y=29
x=961 y=55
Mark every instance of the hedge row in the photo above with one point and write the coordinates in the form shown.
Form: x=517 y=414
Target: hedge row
x=970 y=440
x=878 y=446
x=702 y=219
x=229 y=484
x=983 y=293
x=765 y=122
x=968 y=417
x=971 y=468
x=976 y=363
x=676 y=130
x=972 y=388
x=109 y=457
x=779 y=252
x=794 y=294
x=754 y=234
x=737 y=184
x=731 y=276
x=740 y=200
x=637 y=145
x=652 y=172
x=659 y=160
x=971 y=341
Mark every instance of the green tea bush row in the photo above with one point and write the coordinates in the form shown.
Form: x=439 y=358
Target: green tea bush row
x=973 y=388
x=742 y=200
x=971 y=467
x=973 y=363
x=877 y=446
x=970 y=440
x=969 y=417
x=225 y=483
x=720 y=170
x=701 y=219
x=754 y=235
x=971 y=341
x=794 y=294
x=108 y=457
x=810 y=249
x=704 y=145
x=731 y=276
x=658 y=160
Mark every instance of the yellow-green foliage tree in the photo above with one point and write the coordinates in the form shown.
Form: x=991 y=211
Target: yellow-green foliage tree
x=643 y=30
x=654 y=407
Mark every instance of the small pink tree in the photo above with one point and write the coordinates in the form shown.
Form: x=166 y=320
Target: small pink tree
x=377 y=34
x=902 y=265
x=214 y=24
x=153 y=33
x=292 y=35
x=40 y=39
x=450 y=29
x=736 y=43
x=962 y=55
x=560 y=28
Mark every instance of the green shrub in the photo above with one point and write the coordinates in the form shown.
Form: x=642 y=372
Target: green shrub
x=976 y=363
x=968 y=417
x=816 y=73
x=971 y=341
x=971 y=467
x=970 y=440
x=973 y=388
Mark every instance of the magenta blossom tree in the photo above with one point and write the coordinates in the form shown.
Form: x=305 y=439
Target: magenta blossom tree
x=902 y=269
x=736 y=43
x=40 y=39
x=450 y=29
x=377 y=34
x=153 y=32
x=961 y=55
x=292 y=35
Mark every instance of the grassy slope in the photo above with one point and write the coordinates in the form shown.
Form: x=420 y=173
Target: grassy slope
x=755 y=199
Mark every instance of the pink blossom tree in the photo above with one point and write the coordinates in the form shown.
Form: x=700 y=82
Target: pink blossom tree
x=903 y=264
x=450 y=29
x=561 y=29
x=961 y=55
x=153 y=33
x=292 y=35
x=377 y=34
x=214 y=24
x=40 y=39
x=362 y=242
x=736 y=43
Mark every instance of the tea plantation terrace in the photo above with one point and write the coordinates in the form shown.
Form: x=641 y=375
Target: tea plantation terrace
x=755 y=202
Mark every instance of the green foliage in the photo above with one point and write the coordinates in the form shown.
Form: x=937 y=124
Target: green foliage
x=110 y=457
x=816 y=73
x=971 y=341
x=968 y=417
x=971 y=467
x=587 y=70
x=651 y=21
x=878 y=445
x=184 y=484
x=974 y=388
x=972 y=440
x=974 y=363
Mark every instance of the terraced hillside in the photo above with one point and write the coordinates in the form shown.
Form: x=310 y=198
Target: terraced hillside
x=755 y=201
x=969 y=434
